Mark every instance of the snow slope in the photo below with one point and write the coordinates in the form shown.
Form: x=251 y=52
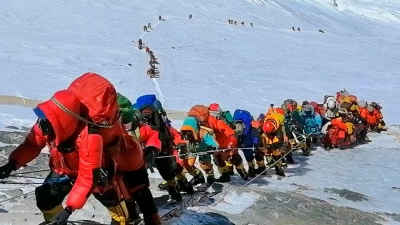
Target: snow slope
x=47 y=44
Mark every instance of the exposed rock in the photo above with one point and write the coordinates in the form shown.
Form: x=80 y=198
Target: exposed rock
x=347 y=194
x=12 y=137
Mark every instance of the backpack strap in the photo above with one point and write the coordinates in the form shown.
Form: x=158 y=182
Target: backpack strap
x=208 y=130
x=69 y=112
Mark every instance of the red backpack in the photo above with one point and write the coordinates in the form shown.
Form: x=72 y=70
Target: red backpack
x=98 y=98
x=99 y=107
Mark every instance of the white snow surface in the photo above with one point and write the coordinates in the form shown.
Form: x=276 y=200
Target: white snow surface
x=234 y=203
x=16 y=116
x=47 y=44
x=367 y=169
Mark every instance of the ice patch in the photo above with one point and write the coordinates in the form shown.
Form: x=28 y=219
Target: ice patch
x=155 y=175
x=234 y=203
x=191 y=217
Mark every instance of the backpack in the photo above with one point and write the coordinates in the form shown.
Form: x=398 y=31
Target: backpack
x=149 y=105
x=216 y=111
x=312 y=119
x=98 y=98
x=200 y=112
x=125 y=107
x=245 y=117
x=99 y=109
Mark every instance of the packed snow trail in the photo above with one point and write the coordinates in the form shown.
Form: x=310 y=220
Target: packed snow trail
x=156 y=84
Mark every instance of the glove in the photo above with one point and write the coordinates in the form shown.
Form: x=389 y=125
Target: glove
x=61 y=217
x=6 y=170
x=150 y=154
x=285 y=139
x=182 y=148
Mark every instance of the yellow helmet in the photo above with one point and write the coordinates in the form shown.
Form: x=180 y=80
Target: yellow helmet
x=347 y=99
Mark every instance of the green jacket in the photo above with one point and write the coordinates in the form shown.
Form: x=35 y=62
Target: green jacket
x=293 y=118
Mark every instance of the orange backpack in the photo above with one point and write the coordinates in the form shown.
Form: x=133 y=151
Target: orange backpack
x=98 y=98
x=272 y=110
x=200 y=112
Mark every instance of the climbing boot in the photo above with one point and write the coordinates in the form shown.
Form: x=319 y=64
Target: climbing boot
x=251 y=172
x=279 y=171
x=49 y=214
x=243 y=174
x=163 y=186
x=260 y=170
x=229 y=168
x=133 y=210
x=224 y=178
x=119 y=213
x=185 y=186
x=289 y=159
x=174 y=194
x=210 y=180
x=198 y=179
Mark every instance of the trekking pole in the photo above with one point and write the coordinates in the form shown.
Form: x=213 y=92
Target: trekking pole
x=269 y=167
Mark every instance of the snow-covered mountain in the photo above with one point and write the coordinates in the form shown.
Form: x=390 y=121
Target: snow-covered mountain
x=44 y=45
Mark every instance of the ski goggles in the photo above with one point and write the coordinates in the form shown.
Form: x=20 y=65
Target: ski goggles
x=44 y=124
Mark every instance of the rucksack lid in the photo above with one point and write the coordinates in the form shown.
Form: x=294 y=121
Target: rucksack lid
x=200 y=112
x=215 y=107
x=149 y=101
x=125 y=107
x=98 y=98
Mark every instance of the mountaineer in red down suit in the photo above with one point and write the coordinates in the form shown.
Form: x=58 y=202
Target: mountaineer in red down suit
x=76 y=152
x=225 y=136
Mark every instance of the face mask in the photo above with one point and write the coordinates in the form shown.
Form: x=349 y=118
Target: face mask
x=191 y=142
x=149 y=119
x=239 y=128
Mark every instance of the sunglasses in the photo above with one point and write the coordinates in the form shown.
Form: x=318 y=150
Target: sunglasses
x=45 y=127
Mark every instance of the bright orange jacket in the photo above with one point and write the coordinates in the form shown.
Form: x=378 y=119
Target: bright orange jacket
x=175 y=135
x=79 y=164
x=373 y=118
x=130 y=155
x=256 y=123
x=338 y=123
x=363 y=113
x=148 y=137
x=225 y=135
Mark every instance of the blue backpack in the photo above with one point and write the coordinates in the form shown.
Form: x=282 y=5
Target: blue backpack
x=311 y=120
x=245 y=117
x=149 y=101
